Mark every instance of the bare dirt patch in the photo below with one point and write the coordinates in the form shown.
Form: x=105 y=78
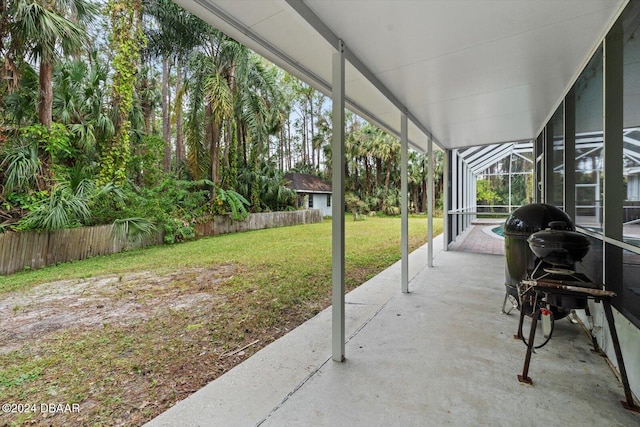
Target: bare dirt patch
x=98 y=301
x=125 y=348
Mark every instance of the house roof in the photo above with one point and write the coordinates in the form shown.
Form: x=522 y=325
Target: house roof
x=305 y=183
x=465 y=72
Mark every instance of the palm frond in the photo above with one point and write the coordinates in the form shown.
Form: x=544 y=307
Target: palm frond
x=136 y=229
x=235 y=201
x=63 y=209
x=21 y=166
x=219 y=95
x=46 y=30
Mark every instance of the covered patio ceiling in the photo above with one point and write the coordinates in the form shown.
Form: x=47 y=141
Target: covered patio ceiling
x=466 y=72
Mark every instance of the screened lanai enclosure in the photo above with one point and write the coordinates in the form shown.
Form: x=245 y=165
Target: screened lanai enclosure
x=510 y=167
x=505 y=171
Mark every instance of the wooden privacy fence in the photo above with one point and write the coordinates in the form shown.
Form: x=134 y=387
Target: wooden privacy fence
x=223 y=224
x=34 y=250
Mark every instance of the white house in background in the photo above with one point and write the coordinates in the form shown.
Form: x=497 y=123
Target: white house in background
x=313 y=193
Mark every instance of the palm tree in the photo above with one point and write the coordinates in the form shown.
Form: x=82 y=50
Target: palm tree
x=387 y=150
x=79 y=103
x=417 y=179
x=235 y=105
x=351 y=144
x=172 y=37
x=209 y=104
x=42 y=30
x=258 y=109
x=20 y=106
x=149 y=97
x=368 y=141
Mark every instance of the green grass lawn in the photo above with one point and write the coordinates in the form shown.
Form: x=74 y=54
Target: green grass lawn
x=243 y=288
x=296 y=251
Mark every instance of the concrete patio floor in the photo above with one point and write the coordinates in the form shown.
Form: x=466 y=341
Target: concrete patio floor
x=441 y=355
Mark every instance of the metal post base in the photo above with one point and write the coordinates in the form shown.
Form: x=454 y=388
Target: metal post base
x=525 y=380
x=632 y=407
x=628 y=403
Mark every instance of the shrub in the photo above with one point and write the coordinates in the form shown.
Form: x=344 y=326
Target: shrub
x=176 y=231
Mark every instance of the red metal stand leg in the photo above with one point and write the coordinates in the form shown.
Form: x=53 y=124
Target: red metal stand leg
x=524 y=378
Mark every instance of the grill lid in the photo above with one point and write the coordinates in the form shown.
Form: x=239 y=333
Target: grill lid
x=559 y=246
x=534 y=217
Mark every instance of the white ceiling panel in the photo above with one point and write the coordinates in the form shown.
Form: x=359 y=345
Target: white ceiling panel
x=470 y=72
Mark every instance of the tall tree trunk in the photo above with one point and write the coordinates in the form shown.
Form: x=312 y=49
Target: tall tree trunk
x=225 y=163
x=208 y=136
x=45 y=97
x=215 y=154
x=388 y=176
x=367 y=175
x=289 y=163
x=166 y=122
x=304 y=138
x=346 y=170
x=356 y=177
x=147 y=122
x=212 y=135
x=281 y=142
x=242 y=140
x=45 y=100
x=254 y=190
x=233 y=158
x=147 y=110
x=313 y=148
x=180 y=152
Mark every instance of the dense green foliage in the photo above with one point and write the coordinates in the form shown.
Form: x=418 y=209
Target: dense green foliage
x=166 y=121
x=127 y=40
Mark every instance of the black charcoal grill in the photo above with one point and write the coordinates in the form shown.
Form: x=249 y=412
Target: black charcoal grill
x=541 y=242
x=558 y=245
x=542 y=249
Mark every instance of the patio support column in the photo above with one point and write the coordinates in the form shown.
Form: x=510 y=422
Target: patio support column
x=510 y=164
x=404 y=203
x=455 y=195
x=446 y=197
x=337 y=223
x=430 y=202
x=470 y=202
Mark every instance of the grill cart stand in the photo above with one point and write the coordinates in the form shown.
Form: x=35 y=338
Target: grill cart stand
x=543 y=289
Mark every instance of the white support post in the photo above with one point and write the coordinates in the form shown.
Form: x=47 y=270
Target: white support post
x=471 y=194
x=337 y=224
x=404 y=203
x=445 y=200
x=510 y=164
x=430 y=202
x=455 y=196
x=464 y=194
